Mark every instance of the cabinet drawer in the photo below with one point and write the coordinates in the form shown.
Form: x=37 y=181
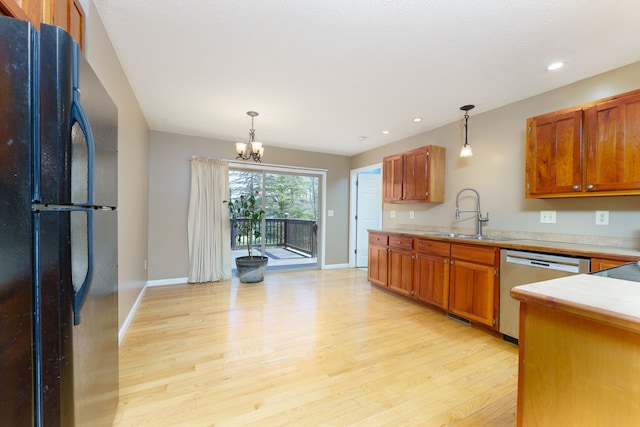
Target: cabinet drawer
x=475 y=254
x=432 y=247
x=401 y=242
x=378 y=239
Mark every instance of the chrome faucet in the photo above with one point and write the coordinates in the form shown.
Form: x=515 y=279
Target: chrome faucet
x=478 y=212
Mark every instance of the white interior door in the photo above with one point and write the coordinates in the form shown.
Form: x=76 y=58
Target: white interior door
x=368 y=212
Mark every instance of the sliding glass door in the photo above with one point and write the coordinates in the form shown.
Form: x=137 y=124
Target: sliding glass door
x=290 y=228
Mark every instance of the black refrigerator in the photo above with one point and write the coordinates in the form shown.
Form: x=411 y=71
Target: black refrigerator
x=58 y=233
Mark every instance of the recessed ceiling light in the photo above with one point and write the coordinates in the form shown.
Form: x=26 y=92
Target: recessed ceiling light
x=385 y=132
x=361 y=138
x=555 y=66
x=417 y=119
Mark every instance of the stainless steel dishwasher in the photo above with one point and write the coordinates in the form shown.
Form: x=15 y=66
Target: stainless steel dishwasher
x=521 y=268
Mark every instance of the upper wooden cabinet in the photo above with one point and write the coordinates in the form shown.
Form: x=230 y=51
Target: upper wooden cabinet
x=554 y=153
x=392 y=178
x=590 y=150
x=414 y=176
x=67 y=14
x=613 y=145
x=21 y=9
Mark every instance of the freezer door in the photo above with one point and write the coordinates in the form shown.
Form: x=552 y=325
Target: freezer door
x=52 y=154
x=79 y=128
x=16 y=324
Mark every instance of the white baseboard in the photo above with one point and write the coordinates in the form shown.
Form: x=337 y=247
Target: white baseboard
x=165 y=282
x=130 y=316
x=334 y=266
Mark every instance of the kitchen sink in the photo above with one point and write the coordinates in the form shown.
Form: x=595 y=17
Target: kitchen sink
x=462 y=236
x=476 y=237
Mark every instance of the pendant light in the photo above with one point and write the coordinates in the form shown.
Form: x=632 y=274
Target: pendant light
x=252 y=150
x=466 y=148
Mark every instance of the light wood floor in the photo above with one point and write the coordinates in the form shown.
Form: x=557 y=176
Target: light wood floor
x=308 y=348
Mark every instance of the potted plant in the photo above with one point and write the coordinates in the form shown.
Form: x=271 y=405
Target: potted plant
x=247 y=220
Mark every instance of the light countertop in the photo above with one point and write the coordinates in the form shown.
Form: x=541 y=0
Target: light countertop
x=586 y=248
x=602 y=299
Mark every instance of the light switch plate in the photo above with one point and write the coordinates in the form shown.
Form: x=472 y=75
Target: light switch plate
x=330 y=212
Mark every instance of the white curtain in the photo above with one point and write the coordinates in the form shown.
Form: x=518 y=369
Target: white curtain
x=208 y=221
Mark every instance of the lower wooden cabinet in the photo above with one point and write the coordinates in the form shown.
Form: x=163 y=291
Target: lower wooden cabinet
x=377 y=270
x=598 y=264
x=461 y=279
x=401 y=265
x=431 y=278
x=474 y=283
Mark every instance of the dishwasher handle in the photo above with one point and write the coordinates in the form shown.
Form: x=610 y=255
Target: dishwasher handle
x=571 y=266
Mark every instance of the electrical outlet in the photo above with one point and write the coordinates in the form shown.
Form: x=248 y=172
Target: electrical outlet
x=602 y=217
x=392 y=214
x=548 y=217
x=412 y=214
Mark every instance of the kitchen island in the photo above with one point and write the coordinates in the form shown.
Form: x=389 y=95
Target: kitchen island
x=579 y=352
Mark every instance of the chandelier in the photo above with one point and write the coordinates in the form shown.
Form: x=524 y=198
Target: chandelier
x=253 y=149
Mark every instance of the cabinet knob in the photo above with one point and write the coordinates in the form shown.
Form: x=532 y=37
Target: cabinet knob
x=589 y=187
x=576 y=187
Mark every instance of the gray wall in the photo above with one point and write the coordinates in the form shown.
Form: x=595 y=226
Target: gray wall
x=169 y=195
x=133 y=165
x=497 y=169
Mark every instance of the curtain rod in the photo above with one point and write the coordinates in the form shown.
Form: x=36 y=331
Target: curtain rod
x=260 y=166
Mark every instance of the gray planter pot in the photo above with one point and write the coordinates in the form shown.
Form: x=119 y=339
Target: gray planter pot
x=251 y=269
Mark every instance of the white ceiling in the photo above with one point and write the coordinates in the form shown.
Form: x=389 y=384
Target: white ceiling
x=322 y=73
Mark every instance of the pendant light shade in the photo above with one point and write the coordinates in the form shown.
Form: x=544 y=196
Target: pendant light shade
x=465 y=151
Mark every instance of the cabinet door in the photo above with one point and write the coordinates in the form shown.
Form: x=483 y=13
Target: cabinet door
x=432 y=279
x=598 y=264
x=613 y=145
x=377 y=268
x=392 y=178
x=76 y=22
x=472 y=292
x=67 y=14
x=415 y=175
x=554 y=154
x=401 y=271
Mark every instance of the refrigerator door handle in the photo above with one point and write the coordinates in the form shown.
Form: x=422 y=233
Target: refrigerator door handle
x=80 y=294
x=78 y=115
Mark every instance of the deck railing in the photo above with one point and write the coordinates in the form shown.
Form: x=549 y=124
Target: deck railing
x=297 y=234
